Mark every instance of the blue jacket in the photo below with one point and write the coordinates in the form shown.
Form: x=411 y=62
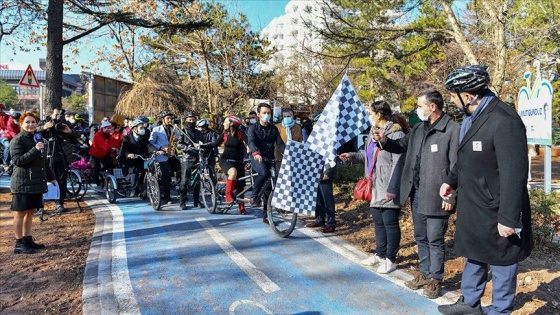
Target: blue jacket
x=158 y=139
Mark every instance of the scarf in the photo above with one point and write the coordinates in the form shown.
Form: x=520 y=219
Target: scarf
x=468 y=120
x=289 y=129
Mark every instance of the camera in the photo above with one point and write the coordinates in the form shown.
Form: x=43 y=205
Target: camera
x=58 y=121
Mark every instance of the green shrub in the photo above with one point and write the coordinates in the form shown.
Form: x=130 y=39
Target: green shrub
x=545 y=215
x=346 y=177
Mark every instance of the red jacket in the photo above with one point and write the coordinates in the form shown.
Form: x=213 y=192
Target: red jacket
x=11 y=130
x=102 y=144
x=4 y=121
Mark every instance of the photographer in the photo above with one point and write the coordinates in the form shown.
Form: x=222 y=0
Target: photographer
x=61 y=140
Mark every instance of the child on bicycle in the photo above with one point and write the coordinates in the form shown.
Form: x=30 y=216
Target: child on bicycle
x=231 y=160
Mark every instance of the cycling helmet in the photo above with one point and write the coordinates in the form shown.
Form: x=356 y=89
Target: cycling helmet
x=166 y=113
x=135 y=123
x=316 y=116
x=189 y=113
x=144 y=119
x=234 y=120
x=16 y=116
x=468 y=79
x=202 y=123
x=117 y=119
x=79 y=117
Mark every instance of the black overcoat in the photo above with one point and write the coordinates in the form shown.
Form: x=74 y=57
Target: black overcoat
x=491 y=180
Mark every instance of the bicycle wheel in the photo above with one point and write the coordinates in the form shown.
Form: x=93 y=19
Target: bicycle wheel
x=110 y=190
x=282 y=222
x=75 y=186
x=208 y=192
x=153 y=191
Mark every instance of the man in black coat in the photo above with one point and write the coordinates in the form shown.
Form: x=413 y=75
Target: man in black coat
x=189 y=136
x=135 y=144
x=431 y=152
x=493 y=210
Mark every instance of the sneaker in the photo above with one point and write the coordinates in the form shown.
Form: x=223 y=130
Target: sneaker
x=21 y=248
x=372 y=261
x=60 y=209
x=29 y=241
x=432 y=289
x=460 y=308
x=386 y=266
x=417 y=283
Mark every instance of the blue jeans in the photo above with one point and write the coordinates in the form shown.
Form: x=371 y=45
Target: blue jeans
x=6 y=143
x=473 y=283
x=325 y=203
x=429 y=233
x=387 y=232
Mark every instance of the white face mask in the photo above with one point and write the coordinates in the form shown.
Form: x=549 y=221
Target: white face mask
x=420 y=113
x=141 y=132
x=252 y=121
x=265 y=118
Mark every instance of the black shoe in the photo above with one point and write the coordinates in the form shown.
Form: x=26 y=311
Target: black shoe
x=21 y=248
x=265 y=220
x=460 y=308
x=196 y=204
x=183 y=205
x=60 y=209
x=255 y=203
x=29 y=242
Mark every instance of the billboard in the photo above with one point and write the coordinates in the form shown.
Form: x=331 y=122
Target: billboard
x=535 y=109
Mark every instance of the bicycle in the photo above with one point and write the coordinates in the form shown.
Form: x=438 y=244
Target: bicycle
x=281 y=222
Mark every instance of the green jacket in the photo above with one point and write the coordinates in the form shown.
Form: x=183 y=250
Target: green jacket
x=30 y=172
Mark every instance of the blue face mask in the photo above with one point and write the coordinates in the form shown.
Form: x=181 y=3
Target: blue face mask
x=286 y=121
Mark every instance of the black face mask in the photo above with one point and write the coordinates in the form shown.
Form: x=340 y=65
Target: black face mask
x=189 y=125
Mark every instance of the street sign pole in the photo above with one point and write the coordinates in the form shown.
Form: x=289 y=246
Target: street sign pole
x=41 y=102
x=547 y=169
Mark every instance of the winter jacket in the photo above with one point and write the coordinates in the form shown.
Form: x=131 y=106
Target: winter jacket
x=262 y=139
x=387 y=171
x=101 y=145
x=30 y=172
x=437 y=147
x=4 y=121
x=491 y=181
x=186 y=139
x=11 y=130
x=297 y=136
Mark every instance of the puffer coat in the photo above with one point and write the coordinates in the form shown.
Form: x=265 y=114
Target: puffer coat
x=30 y=172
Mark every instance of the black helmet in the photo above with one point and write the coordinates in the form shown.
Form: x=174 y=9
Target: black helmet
x=16 y=116
x=189 y=113
x=166 y=113
x=468 y=79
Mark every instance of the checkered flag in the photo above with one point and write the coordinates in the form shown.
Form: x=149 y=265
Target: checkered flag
x=298 y=179
x=343 y=118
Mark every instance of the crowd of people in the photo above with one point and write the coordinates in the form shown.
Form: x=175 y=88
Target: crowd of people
x=477 y=169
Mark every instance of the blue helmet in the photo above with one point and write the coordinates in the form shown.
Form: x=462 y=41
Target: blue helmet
x=144 y=119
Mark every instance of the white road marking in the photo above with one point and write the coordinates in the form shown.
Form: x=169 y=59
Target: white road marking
x=255 y=274
x=235 y=304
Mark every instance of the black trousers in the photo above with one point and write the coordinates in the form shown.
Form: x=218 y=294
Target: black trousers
x=186 y=167
x=96 y=167
x=172 y=165
x=135 y=170
x=61 y=174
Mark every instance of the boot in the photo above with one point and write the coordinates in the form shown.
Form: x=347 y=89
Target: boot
x=230 y=185
x=21 y=248
x=241 y=206
x=29 y=242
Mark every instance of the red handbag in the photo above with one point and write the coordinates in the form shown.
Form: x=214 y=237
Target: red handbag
x=363 y=188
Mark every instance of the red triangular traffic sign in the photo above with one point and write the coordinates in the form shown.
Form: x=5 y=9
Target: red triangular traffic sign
x=29 y=78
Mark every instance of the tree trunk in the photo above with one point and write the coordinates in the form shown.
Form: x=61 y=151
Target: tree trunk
x=53 y=85
x=499 y=20
x=458 y=34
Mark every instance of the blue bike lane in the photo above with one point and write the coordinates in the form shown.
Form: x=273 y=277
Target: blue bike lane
x=191 y=262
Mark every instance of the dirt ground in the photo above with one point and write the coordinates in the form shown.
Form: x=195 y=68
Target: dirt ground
x=50 y=282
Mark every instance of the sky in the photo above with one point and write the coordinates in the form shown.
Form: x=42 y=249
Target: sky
x=258 y=12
